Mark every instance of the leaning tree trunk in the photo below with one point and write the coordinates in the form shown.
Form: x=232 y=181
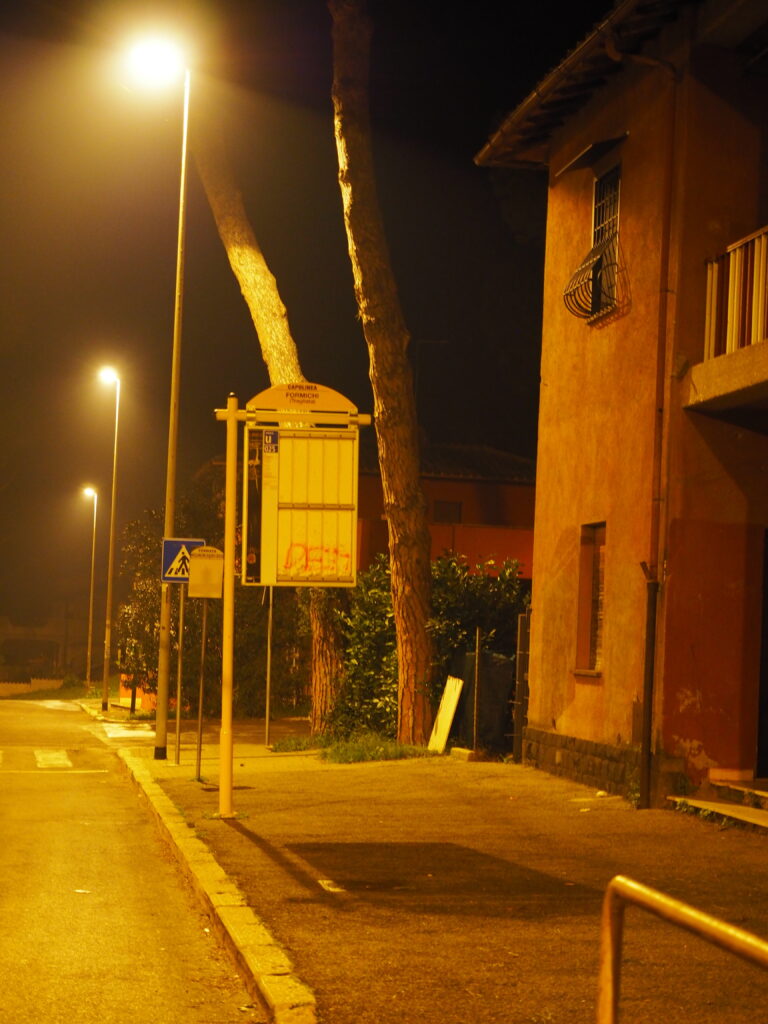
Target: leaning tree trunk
x=278 y=349
x=257 y=283
x=390 y=372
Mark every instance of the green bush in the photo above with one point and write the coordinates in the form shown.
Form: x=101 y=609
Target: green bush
x=368 y=695
x=488 y=596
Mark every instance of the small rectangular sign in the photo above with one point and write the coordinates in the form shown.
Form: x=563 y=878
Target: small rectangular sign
x=206 y=572
x=271 y=441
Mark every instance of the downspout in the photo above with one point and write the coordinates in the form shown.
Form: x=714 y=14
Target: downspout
x=649 y=663
x=656 y=574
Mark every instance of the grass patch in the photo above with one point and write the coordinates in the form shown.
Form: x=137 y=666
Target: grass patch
x=292 y=743
x=360 y=746
x=370 y=746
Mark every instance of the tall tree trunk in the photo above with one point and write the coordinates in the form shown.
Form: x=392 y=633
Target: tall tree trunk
x=278 y=349
x=257 y=283
x=387 y=339
x=327 y=655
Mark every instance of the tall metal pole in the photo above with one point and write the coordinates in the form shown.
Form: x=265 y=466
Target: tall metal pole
x=164 y=656
x=201 y=692
x=91 y=493
x=268 y=693
x=180 y=672
x=228 y=613
x=111 y=557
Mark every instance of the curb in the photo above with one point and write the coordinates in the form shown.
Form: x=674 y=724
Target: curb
x=266 y=968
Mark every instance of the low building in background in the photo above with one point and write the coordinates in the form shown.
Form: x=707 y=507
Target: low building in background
x=479 y=504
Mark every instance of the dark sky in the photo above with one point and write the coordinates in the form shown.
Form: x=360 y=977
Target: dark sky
x=89 y=206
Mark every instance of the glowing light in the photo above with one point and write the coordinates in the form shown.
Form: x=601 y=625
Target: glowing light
x=109 y=376
x=155 y=62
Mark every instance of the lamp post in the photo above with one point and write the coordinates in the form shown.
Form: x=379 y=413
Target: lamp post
x=156 y=62
x=90 y=492
x=109 y=376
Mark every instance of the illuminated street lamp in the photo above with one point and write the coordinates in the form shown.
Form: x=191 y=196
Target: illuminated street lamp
x=90 y=492
x=109 y=376
x=156 y=62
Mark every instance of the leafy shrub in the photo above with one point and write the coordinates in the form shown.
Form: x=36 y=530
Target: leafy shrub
x=368 y=695
x=489 y=596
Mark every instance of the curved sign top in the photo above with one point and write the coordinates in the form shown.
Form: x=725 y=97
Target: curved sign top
x=301 y=397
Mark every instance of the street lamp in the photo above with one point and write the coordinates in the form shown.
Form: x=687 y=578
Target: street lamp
x=154 y=62
x=90 y=492
x=109 y=376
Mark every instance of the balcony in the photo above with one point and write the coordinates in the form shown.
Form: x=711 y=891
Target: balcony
x=732 y=381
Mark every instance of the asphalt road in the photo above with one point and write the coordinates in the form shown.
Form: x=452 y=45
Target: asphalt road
x=441 y=891
x=97 y=925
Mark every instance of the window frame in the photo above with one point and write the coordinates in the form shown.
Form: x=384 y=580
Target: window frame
x=590 y=626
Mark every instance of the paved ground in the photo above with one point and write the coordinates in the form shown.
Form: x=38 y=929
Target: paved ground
x=447 y=891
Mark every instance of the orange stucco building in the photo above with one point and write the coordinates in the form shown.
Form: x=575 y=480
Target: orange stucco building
x=649 y=637
x=479 y=504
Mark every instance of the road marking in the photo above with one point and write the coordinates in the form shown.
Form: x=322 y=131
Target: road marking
x=121 y=731
x=52 y=759
x=330 y=886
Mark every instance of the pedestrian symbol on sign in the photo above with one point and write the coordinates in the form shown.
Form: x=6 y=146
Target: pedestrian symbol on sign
x=180 y=565
x=176 y=558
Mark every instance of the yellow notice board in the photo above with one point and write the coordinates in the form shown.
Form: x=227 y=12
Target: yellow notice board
x=309 y=508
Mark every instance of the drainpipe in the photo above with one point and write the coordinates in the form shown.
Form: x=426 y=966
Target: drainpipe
x=649 y=660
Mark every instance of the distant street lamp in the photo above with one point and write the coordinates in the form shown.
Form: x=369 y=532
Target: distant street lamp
x=109 y=376
x=90 y=492
x=157 y=62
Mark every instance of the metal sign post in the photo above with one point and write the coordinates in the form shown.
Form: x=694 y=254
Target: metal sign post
x=177 y=554
x=179 y=667
x=299 y=525
x=206 y=578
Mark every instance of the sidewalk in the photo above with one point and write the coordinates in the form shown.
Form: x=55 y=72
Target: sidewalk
x=441 y=890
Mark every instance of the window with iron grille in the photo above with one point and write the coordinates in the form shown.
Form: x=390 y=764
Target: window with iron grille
x=592 y=290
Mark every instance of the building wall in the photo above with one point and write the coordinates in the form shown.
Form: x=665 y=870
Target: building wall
x=496 y=520
x=684 y=494
x=598 y=422
x=717 y=498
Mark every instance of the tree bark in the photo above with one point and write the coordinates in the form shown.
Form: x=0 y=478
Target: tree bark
x=327 y=656
x=278 y=349
x=387 y=339
x=257 y=283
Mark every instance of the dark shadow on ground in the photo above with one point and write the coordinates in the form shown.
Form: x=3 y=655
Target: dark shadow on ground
x=444 y=878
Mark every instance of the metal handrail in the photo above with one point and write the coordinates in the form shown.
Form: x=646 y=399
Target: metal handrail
x=621 y=891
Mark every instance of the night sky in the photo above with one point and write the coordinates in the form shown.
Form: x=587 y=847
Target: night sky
x=89 y=210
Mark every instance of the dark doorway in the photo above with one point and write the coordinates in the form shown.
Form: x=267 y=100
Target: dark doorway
x=761 y=767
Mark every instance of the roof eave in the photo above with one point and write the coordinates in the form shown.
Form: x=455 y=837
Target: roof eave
x=511 y=134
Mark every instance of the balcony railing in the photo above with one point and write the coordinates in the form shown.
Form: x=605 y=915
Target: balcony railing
x=737 y=296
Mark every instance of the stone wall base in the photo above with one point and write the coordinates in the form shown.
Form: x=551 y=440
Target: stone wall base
x=615 y=769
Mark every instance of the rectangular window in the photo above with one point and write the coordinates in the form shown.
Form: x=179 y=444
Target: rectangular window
x=589 y=644
x=605 y=241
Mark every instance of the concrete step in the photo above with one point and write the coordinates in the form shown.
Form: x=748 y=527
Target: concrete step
x=751 y=794
x=757 y=817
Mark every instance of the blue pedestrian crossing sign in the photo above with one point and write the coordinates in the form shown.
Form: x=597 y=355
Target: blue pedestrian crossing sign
x=176 y=552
